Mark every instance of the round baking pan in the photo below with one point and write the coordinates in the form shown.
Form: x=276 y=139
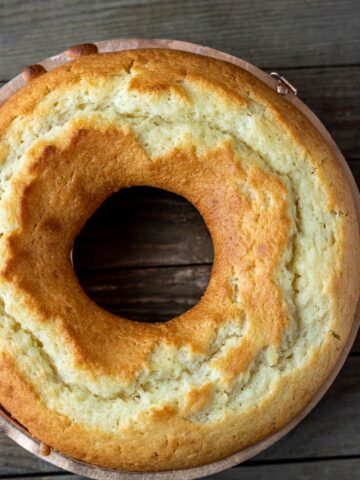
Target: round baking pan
x=19 y=434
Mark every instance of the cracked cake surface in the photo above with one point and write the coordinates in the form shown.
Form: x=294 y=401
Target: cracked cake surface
x=283 y=289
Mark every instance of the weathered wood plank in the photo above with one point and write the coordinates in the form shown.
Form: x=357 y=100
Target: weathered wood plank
x=15 y=460
x=334 y=96
x=356 y=347
x=355 y=169
x=279 y=33
x=330 y=430
x=143 y=227
x=346 y=469
x=152 y=294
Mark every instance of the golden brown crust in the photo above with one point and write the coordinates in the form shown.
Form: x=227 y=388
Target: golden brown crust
x=36 y=256
x=249 y=209
x=163 y=440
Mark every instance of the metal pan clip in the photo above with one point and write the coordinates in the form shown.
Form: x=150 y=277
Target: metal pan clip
x=283 y=87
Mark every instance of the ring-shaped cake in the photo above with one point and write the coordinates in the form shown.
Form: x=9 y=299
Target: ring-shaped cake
x=283 y=289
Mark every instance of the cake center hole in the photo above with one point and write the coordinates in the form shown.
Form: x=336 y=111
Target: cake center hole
x=145 y=254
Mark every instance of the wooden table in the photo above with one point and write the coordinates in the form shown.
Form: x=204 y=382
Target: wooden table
x=146 y=253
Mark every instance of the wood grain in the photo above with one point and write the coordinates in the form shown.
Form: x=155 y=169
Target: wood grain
x=148 y=295
x=142 y=227
x=346 y=469
x=331 y=430
x=15 y=460
x=334 y=96
x=280 y=33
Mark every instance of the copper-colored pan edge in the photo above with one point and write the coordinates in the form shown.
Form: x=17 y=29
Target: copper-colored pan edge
x=14 y=431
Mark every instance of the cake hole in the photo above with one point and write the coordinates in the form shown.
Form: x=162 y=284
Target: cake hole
x=145 y=254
